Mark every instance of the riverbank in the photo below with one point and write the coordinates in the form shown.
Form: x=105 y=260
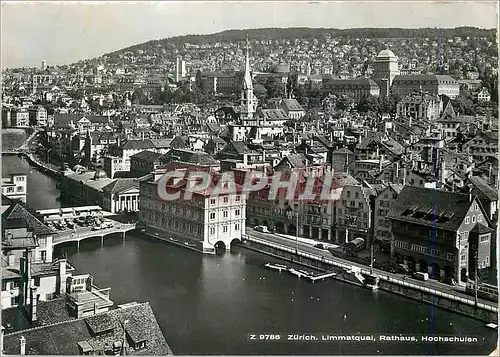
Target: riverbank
x=482 y=312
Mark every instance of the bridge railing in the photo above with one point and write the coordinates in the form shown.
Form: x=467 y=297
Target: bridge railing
x=381 y=276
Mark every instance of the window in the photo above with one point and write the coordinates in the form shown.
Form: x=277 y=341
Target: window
x=20 y=188
x=224 y=229
x=212 y=215
x=450 y=256
x=42 y=242
x=225 y=214
x=463 y=257
x=10 y=189
x=479 y=217
x=15 y=300
x=487 y=260
x=348 y=194
x=484 y=239
x=212 y=231
x=467 y=220
x=212 y=201
x=236 y=227
x=476 y=207
x=226 y=199
x=237 y=212
x=238 y=198
x=140 y=345
x=4 y=286
x=473 y=219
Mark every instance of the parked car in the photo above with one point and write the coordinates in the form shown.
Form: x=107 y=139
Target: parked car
x=320 y=246
x=262 y=229
x=421 y=276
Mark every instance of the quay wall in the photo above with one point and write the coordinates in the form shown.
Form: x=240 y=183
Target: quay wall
x=437 y=298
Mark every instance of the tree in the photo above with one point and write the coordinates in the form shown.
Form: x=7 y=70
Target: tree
x=368 y=104
x=274 y=87
x=260 y=92
x=345 y=102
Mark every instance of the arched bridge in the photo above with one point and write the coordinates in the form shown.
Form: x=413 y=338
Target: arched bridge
x=84 y=233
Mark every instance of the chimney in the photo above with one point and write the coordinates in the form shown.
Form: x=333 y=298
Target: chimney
x=22 y=341
x=62 y=276
x=380 y=163
x=34 y=303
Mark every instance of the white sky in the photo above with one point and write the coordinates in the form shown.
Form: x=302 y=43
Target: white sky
x=67 y=32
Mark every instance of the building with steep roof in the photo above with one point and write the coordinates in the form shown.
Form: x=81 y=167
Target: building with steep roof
x=431 y=232
x=292 y=108
x=131 y=329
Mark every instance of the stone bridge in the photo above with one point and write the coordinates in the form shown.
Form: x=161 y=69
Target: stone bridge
x=85 y=233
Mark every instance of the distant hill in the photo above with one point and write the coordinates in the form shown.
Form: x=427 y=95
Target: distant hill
x=302 y=32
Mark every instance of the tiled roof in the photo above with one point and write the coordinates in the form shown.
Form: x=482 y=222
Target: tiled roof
x=273 y=114
x=121 y=185
x=188 y=156
x=147 y=156
x=417 y=205
x=292 y=105
x=482 y=189
x=138 y=144
x=18 y=211
x=62 y=338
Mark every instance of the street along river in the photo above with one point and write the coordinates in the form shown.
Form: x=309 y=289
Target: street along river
x=211 y=304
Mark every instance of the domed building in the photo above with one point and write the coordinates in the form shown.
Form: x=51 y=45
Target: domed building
x=385 y=69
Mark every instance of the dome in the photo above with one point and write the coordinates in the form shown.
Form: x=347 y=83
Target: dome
x=100 y=174
x=386 y=54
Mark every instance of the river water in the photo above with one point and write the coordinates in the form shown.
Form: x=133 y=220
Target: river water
x=210 y=304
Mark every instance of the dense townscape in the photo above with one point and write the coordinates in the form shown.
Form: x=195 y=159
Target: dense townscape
x=373 y=146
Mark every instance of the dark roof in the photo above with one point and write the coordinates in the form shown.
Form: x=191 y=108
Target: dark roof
x=424 y=77
x=100 y=323
x=482 y=189
x=138 y=144
x=417 y=205
x=273 y=114
x=146 y=156
x=292 y=104
x=121 y=184
x=6 y=201
x=481 y=229
x=296 y=161
x=63 y=338
x=34 y=225
x=188 y=156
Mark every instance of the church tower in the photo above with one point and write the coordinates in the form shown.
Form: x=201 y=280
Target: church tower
x=248 y=102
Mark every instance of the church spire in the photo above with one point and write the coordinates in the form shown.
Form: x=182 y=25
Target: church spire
x=247 y=81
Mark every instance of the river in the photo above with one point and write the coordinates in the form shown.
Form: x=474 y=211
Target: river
x=210 y=304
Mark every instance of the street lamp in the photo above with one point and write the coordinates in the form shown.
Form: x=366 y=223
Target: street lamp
x=291 y=214
x=48 y=156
